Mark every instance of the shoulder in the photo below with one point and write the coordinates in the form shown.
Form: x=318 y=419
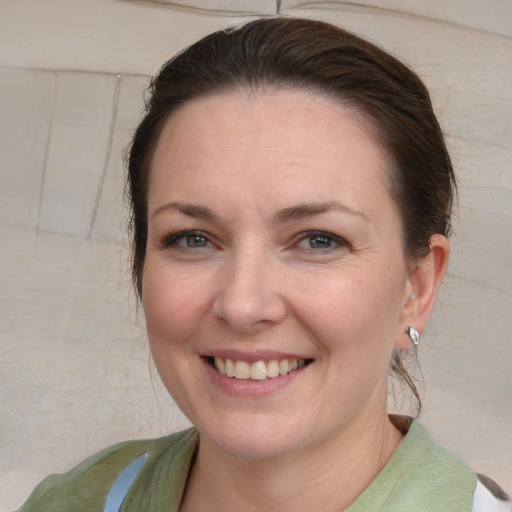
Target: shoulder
x=458 y=478
x=442 y=478
x=433 y=475
x=423 y=477
x=86 y=486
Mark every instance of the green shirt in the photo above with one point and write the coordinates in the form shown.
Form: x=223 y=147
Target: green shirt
x=420 y=476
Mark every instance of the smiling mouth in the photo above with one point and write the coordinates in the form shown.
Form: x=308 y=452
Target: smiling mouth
x=260 y=370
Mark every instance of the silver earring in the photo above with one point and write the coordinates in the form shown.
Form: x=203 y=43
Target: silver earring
x=413 y=334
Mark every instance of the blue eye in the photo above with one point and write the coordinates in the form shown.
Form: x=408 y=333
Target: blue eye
x=192 y=241
x=186 y=240
x=320 y=241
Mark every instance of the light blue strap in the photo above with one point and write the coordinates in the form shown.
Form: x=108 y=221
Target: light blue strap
x=122 y=485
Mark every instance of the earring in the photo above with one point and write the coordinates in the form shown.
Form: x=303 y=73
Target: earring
x=413 y=334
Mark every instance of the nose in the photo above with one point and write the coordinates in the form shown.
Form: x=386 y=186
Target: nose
x=250 y=298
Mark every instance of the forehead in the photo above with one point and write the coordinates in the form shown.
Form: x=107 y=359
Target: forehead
x=305 y=142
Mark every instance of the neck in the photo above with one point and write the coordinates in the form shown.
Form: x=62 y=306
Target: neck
x=328 y=476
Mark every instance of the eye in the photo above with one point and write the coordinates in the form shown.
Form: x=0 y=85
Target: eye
x=192 y=241
x=320 y=241
x=186 y=240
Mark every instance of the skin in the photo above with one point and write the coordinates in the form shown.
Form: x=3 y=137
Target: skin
x=253 y=281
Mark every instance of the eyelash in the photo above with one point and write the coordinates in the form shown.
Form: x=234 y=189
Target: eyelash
x=173 y=239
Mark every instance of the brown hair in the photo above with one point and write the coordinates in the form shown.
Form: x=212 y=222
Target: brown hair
x=290 y=53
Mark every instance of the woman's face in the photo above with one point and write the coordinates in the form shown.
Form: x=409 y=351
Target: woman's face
x=274 y=252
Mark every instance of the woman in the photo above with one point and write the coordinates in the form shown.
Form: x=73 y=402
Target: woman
x=291 y=194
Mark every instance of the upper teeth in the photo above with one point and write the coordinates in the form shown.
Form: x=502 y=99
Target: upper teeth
x=260 y=370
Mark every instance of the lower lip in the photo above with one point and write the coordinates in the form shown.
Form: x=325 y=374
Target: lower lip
x=250 y=387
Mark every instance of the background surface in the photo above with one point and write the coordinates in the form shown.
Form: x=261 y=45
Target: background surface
x=75 y=374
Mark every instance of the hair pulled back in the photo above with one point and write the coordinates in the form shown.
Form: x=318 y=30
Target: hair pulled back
x=291 y=53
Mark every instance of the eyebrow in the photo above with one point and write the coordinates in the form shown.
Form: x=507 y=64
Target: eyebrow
x=192 y=210
x=302 y=211
x=290 y=214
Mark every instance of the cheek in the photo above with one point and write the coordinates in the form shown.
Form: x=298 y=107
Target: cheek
x=354 y=314
x=172 y=305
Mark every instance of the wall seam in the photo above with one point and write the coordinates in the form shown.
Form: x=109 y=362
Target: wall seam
x=199 y=10
x=101 y=183
x=46 y=153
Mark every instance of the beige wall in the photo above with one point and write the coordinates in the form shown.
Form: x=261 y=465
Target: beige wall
x=74 y=371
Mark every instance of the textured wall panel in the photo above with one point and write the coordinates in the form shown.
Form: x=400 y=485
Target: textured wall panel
x=26 y=109
x=79 y=145
x=98 y=35
x=230 y=6
x=489 y=15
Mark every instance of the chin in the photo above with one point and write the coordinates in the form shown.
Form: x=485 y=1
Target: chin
x=255 y=440
x=252 y=449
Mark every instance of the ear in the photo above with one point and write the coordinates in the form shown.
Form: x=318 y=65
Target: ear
x=423 y=283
